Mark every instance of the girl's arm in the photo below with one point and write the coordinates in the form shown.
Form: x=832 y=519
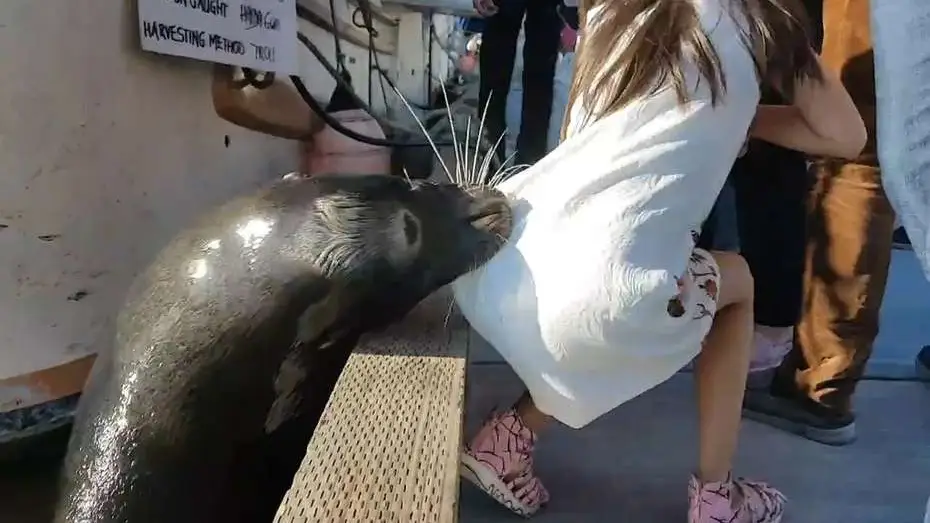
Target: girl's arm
x=823 y=121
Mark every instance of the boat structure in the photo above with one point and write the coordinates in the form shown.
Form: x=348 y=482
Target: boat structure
x=124 y=121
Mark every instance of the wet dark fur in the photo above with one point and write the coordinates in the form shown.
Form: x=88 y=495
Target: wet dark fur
x=171 y=428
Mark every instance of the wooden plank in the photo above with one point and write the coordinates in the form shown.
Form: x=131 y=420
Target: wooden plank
x=387 y=447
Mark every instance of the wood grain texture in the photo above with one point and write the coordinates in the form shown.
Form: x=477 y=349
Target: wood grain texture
x=387 y=447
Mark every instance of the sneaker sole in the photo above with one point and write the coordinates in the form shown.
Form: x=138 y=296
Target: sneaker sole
x=833 y=437
x=487 y=481
x=760 y=379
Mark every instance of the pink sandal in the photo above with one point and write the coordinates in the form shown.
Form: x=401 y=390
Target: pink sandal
x=499 y=461
x=734 y=501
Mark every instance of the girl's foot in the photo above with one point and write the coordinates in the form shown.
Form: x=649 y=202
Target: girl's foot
x=499 y=461
x=734 y=501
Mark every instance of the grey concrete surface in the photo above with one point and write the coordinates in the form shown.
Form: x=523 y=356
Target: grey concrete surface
x=632 y=465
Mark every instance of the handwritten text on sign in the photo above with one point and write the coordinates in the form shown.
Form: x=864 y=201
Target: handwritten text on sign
x=260 y=34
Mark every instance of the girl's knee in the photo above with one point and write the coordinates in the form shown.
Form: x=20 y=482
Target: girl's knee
x=736 y=283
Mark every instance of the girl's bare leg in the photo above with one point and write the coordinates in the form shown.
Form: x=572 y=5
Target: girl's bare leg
x=534 y=419
x=721 y=371
x=722 y=367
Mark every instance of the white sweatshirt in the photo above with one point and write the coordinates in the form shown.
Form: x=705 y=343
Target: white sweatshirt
x=576 y=300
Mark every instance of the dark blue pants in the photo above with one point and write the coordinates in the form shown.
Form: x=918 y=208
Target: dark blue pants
x=761 y=213
x=540 y=51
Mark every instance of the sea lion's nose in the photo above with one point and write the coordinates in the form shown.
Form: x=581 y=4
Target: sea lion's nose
x=481 y=193
x=486 y=202
x=490 y=210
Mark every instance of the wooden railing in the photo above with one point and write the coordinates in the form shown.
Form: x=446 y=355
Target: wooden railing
x=387 y=447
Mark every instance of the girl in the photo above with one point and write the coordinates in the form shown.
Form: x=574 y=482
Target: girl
x=600 y=293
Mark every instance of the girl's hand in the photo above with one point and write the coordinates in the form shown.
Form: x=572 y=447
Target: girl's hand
x=485 y=8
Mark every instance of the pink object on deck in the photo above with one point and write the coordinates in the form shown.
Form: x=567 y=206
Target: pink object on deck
x=467 y=63
x=569 y=38
x=331 y=152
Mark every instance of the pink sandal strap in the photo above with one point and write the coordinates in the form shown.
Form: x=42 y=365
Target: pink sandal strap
x=734 y=501
x=499 y=461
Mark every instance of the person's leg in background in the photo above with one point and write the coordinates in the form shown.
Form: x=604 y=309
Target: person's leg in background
x=542 y=30
x=564 y=68
x=771 y=185
x=498 y=51
x=850 y=224
x=719 y=232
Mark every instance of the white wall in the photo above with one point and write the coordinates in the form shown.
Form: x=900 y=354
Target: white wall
x=109 y=150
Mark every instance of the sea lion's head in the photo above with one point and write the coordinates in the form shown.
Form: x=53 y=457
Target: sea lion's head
x=398 y=240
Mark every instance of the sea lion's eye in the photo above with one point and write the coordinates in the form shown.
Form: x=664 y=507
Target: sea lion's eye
x=404 y=237
x=411 y=228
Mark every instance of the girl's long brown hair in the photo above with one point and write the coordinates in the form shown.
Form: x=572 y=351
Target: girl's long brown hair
x=614 y=66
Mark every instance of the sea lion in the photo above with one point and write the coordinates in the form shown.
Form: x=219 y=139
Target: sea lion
x=231 y=342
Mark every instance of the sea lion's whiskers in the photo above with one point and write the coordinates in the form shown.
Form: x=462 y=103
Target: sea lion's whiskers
x=503 y=174
x=486 y=161
x=425 y=133
x=504 y=170
x=484 y=114
x=469 y=167
x=445 y=321
x=455 y=142
x=407 y=177
x=467 y=138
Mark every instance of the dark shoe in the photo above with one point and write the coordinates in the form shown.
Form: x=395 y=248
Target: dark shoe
x=923 y=363
x=799 y=416
x=900 y=239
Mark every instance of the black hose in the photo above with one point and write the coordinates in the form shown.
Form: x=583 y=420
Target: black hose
x=341 y=81
x=374 y=62
x=341 y=129
x=392 y=85
x=337 y=40
x=336 y=124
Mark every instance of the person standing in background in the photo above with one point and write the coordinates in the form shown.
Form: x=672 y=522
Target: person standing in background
x=770 y=186
x=850 y=224
x=761 y=213
x=504 y=19
x=561 y=81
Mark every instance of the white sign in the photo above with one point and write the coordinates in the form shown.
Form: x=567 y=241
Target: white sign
x=259 y=34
